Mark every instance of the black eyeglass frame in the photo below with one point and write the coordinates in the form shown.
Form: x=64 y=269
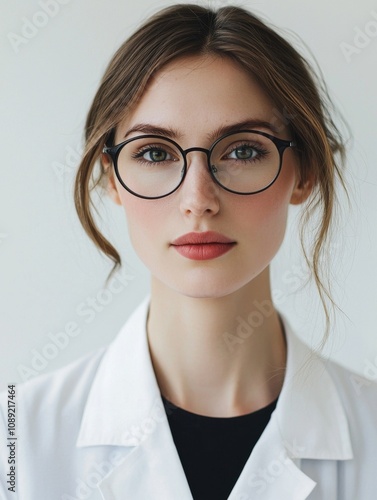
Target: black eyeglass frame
x=114 y=151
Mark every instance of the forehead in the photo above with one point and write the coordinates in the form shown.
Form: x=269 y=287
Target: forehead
x=198 y=94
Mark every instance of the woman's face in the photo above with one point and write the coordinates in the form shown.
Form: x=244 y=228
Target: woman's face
x=196 y=97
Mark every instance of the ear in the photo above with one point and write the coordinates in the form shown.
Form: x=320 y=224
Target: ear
x=301 y=191
x=111 y=181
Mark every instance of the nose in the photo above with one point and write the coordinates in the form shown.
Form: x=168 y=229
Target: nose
x=199 y=192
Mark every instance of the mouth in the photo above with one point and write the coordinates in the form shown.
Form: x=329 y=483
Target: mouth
x=208 y=237
x=203 y=246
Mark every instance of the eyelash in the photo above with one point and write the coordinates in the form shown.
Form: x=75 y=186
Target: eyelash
x=261 y=152
x=138 y=155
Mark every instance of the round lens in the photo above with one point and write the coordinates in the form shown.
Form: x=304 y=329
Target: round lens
x=245 y=162
x=150 y=166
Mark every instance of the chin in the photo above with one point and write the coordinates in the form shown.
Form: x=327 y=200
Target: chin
x=210 y=281
x=207 y=287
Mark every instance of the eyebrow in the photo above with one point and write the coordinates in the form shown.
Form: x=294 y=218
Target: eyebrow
x=172 y=133
x=148 y=128
x=244 y=125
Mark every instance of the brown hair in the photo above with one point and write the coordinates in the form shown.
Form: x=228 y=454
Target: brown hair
x=301 y=99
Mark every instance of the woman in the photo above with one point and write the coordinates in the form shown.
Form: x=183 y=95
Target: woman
x=206 y=127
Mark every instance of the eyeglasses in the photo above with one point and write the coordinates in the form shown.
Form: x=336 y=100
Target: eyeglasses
x=243 y=162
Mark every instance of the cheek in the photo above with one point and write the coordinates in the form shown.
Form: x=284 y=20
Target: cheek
x=265 y=212
x=262 y=228
x=146 y=220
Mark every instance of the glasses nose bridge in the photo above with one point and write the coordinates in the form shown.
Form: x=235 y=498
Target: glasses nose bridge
x=202 y=150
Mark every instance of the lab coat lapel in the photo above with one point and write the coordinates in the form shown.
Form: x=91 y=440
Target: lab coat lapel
x=270 y=473
x=151 y=470
x=309 y=410
x=124 y=409
x=309 y=422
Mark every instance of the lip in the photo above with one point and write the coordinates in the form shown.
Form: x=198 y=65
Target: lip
x=203 y=246
x=202 y=238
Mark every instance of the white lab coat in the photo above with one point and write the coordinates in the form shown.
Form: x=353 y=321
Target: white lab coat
x=97 y=430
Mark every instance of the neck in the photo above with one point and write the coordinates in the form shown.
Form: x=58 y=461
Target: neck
x=222 y=356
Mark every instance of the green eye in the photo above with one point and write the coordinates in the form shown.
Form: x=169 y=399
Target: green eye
x=155 y=155
x=243 y=153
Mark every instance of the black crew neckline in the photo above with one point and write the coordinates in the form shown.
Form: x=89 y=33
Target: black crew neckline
x=172 y=408
x=214 y=450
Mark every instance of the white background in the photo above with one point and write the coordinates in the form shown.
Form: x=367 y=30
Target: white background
x=50 y=270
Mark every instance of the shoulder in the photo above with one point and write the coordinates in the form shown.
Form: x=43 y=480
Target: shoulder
x=54 y=396
x=357 y=393
x=336 y=404
x=47 y=413
x=358 y=397
x=48 y=399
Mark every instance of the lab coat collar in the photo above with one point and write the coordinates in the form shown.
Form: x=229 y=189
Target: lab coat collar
x=309 y=412
x=124 y=408
x=124 y=393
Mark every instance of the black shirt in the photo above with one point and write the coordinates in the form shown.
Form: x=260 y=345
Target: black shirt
x=214 y=450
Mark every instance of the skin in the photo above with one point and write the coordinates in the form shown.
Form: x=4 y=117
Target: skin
x=196 y=306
